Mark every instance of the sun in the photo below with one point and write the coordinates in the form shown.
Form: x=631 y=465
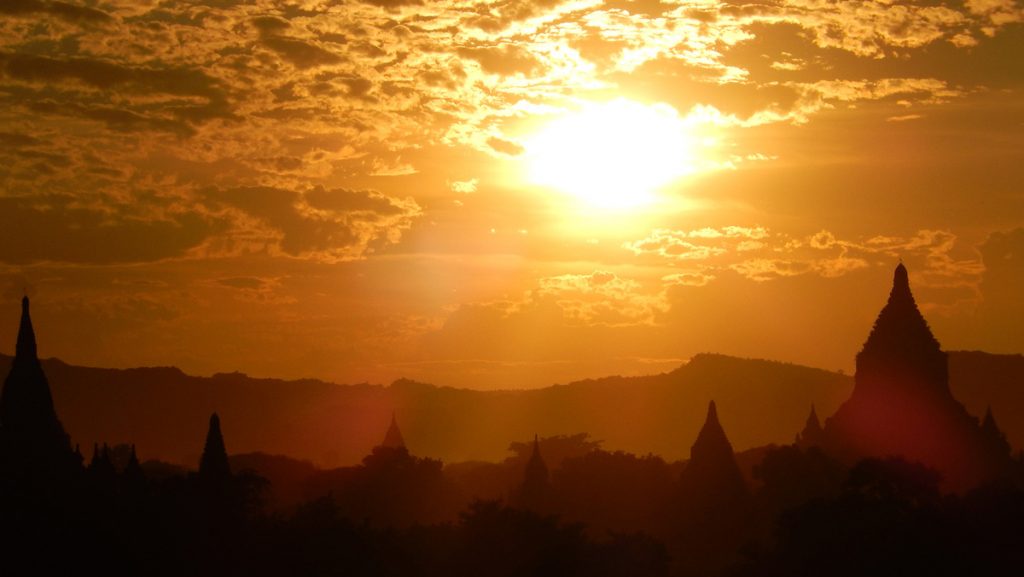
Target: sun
x=611 y=155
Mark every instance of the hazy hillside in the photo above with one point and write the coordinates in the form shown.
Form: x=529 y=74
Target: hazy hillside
x=980 y=380
x=165 y=411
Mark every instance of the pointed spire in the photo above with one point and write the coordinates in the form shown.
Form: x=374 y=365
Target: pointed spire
x=900 y=283
x=214 y=462
x=133 y=473
x=26 y=347
x=711 y=439
x=533 y=493
x=989 y=422
x=812 y=419
x=994 y=436
x=712 y=472
x=900 y=331
x=393 y=438
x=813 y=435
x=30 y=423
x=101 y=466
x=536 y=468
x=989 y=426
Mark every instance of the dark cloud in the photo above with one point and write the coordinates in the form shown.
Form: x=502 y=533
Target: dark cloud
x=505 y=146
x=118 y=119
x=17 y=139
x=242 y=282
x=180 y=93
x=322 y=224
x=505 y=60
x=64 y=11
x=344 y=200
x=300 y=53
x=57 y=229
x=107 y=75
x=392 y=4
x=990 y=62
x=270 y=25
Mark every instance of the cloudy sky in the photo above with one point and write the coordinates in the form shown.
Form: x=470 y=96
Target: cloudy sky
x=509 y=193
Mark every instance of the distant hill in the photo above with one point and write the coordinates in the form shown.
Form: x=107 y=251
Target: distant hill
x=979 y=380
x=165 y=412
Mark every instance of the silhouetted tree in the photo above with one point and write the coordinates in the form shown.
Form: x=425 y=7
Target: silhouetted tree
x=616 y=492
x=890 y=519
x=792 y=476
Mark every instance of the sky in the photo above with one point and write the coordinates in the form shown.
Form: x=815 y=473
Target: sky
x=505 y=194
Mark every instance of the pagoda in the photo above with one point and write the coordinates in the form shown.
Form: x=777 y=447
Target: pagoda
x=712 y=478
x=901 y=403
x=32 y=439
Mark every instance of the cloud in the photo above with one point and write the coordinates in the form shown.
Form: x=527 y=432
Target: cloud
x=300 y=53
x=105 y=75
x=600 y=297
x=464 y=186
x=69 y=12
x=694 y=279
x=505 y=146
x=329 y=225
x=504 y=60
x=391 y=4
x=672 y=244
x=765 y=269
x=760 y=254
x=260 y=290
x=165 y=99
x=59 y=229
x=242 y=282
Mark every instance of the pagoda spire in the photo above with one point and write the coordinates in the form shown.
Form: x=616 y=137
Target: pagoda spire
x=711 y=441
x=900 y=327
x=533 y=494
x=712 y=471
x=133 y=474
x=902 y=405
x=26 y=348
x=393 y=438
x=536 y=468
x=213 y=464
x=33 y=433
x=813 y=435
x=994 y=437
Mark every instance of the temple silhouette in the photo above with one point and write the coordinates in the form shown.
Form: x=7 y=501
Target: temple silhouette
x=535 y=491
x=901 y=403
x=33 y=445
x=393 y=438
x=712 y=479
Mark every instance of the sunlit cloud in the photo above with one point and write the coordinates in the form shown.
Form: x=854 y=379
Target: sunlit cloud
x=201 y=134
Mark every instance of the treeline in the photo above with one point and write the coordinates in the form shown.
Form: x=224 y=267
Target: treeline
x=602 y=514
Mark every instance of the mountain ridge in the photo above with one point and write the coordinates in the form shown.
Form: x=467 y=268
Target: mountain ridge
x=164 y=410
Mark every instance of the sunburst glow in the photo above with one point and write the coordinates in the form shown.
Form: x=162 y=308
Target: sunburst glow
x=612 y=155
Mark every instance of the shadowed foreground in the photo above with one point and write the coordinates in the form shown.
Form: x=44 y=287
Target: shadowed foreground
x=834 y=502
